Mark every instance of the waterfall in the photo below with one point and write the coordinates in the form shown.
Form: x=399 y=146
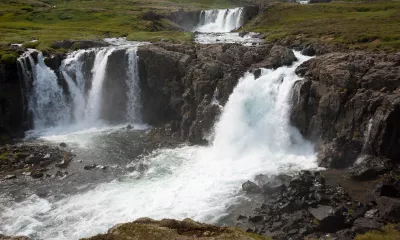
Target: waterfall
x=95 y=94
x=47 y=99
x=83 y=74
x=252 y=136
x=132 y=81
x=220 y=20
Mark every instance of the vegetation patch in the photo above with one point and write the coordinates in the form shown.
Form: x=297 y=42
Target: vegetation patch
x=174 y=37
x=361 y=25
x=388 y=232
x=53 y=20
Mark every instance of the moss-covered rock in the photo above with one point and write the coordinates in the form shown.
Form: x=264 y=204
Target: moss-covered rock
x=168 y=229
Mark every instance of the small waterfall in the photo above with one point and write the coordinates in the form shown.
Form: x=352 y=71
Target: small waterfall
x=46 y=100
x=95 y=94
x=84 y=74
x=220 y=20
x=366 y=145
x=132 y=81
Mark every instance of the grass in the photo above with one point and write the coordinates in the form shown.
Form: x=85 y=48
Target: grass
x=168 y=36
x=52 y=20
x=4 y=156
x=388 y=232
x=362 y=25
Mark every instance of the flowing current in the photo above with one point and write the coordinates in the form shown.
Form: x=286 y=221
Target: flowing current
x=76 y=96
x=252 y=136
x=220 y=20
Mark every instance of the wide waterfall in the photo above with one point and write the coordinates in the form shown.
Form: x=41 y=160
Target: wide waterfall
x=253 y=136
x=220 y=20
x=85 y=90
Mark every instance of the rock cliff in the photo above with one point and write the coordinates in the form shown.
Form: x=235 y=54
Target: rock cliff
x=349 y=104
x=185 y=84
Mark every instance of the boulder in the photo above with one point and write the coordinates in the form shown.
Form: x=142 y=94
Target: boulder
x=251 y=187
x=37 y=175
x=3 y=237
x=90 y=167
x=389 y=208
x=363 y=225
x=168 y=229
x=8 y=177
x=33 y=160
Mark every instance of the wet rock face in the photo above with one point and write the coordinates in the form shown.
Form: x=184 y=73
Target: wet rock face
x=188 y=83
x=11 y=101
x=349 y=103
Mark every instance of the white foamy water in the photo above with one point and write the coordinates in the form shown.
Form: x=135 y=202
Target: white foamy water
x=58 y=109
x=253 y=136
x=213 y=38
x=220 y=20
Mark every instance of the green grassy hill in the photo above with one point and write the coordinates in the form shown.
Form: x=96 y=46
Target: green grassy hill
x=50 y=20
x=356 y=25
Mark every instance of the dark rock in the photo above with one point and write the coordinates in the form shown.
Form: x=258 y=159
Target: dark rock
x=33 y=160
x=90 y=167
x=59 y=174
x=308 y=51
x=251 y=187
x=359 y=212
x=287 y=208
x=63 y=144
x=363 y=225
x=129 y=127
x=37 y=175
x=339 y=101
x=242 y=34
x=321 y=212
x=320 y=179
x=389 y=191
x=389 y=208
x=267 y=189
x=369 y=169
x=257 y=73
x=256 y=219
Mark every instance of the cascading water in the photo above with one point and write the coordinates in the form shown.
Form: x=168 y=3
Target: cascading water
x=220 y=20
x=253 y=136
x=47 y=99
x=133 y=105
x=82 y=103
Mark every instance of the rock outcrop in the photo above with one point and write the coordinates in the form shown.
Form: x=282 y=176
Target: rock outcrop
x=168 y=229
x=349 y=104
x=11 y=101
x=187 y=83
x=308 y=206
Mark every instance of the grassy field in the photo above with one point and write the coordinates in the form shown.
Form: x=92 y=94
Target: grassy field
x=50 y=20
x=356 y=25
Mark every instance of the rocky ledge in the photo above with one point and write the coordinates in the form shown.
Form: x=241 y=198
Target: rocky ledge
x=306 y=206
x=184 y=86
x=349 y=105
x=33 y=160
x=168 y=229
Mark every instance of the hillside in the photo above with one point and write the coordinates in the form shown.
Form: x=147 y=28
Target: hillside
x=354 y=25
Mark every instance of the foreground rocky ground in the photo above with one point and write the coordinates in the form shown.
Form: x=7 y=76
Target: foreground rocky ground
x=168 y=229
x=33 y=160
x=306 y=206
